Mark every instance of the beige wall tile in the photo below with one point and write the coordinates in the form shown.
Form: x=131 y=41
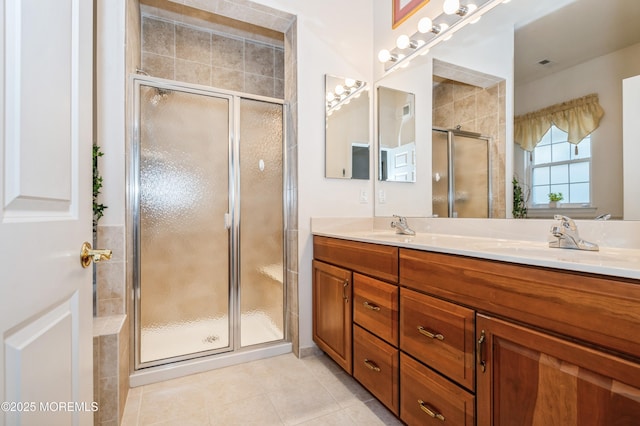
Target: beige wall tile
x=110 y=280
x=227 y=79
x=193 y=44
x=258 y=84
x=193 y=72
x=259 y=59
x=108 y=307
x=227 y=52
x=108 y=405
x=158 y=37
x=158 y=66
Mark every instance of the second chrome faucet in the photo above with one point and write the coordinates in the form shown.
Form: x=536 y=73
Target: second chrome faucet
x=567 y=235
x=401 y=226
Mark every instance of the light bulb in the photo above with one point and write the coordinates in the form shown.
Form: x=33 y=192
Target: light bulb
x=451 y=6
x=330 y=96
x=384 y=56
x=443 y=27
x=403 y=41
x=425 y=25
x=471 y=8
x=339 y=90
x=349 y=82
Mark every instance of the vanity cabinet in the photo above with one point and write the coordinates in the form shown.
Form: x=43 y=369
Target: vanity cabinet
x=552 y=347
x=472 y=341
x=526 y=377
x=338 y=265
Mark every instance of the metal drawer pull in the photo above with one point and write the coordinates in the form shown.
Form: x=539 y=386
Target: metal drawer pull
x=429 y=334
x=371 y=306
x=430 y=411
x=344 y=291
x=371 y=365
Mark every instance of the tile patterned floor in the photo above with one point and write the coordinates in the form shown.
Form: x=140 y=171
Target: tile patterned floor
x=283 y=390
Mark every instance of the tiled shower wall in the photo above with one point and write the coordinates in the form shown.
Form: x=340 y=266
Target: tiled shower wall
x=481 y=110
x=190 y=54
x=110 y=276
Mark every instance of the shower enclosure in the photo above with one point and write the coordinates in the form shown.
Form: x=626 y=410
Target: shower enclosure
x=461 y=174
x=207 y=219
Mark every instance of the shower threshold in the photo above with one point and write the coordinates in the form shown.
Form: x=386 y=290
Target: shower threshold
x=212 y=362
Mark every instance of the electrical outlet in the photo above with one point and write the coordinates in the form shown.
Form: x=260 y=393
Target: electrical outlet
x=364 y=197
x=382 y=198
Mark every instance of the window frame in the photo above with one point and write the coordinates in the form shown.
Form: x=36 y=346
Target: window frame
x=529 y=167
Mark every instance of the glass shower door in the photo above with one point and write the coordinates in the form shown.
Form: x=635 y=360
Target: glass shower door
x=183 y=243
x=261 y=222
x=440 y=173
x=471 y=179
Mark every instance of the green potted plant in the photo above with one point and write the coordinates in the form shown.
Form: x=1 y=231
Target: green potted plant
x=554 y=199
x=520 y=197
x=98 y=208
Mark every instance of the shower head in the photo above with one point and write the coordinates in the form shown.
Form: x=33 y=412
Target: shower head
x=159 y=95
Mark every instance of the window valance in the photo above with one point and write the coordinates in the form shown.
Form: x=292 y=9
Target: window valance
x=578 y=117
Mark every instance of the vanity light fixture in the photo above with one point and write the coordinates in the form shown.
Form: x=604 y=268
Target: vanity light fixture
x=425 y=25
x=451 y=7
x=385 y=56
x=430 y=31
x=344 y=93
x=404 y=42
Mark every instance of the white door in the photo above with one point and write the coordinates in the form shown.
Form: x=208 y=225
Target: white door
x=46 y=367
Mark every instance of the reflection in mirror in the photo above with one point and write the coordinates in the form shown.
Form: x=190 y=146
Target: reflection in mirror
x=347 y=128
x=471 y=105
x=396 y=135
x=559 y=61
x=593 y=61
x=461 y=174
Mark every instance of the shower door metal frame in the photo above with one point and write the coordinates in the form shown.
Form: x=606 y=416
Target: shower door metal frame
x=451 y=133
x=233 y=225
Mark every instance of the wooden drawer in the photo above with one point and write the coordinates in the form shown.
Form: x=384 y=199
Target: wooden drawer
x=426 y=396
x=375 y=307
x=375 y=365
x=438 y=333
x=593 y=308
x=372 y=259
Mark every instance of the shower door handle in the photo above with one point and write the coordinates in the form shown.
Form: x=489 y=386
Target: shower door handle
x=227 y=221
x=87 y=254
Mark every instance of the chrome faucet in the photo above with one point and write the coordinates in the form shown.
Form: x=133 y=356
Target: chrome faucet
x=567 y=235
x=401 y=225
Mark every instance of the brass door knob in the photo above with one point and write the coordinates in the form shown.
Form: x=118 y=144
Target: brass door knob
x=87 y=254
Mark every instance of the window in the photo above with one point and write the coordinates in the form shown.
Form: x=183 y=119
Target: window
x=556 y=166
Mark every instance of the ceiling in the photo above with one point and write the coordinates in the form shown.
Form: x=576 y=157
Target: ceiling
x=575 y=33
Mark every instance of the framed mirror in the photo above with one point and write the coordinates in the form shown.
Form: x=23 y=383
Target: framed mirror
x=347 y=138
x=396 y=135
x=533 y=33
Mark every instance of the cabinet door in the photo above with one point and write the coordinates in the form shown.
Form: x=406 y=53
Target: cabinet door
x=531 y=378
x=332 y=312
